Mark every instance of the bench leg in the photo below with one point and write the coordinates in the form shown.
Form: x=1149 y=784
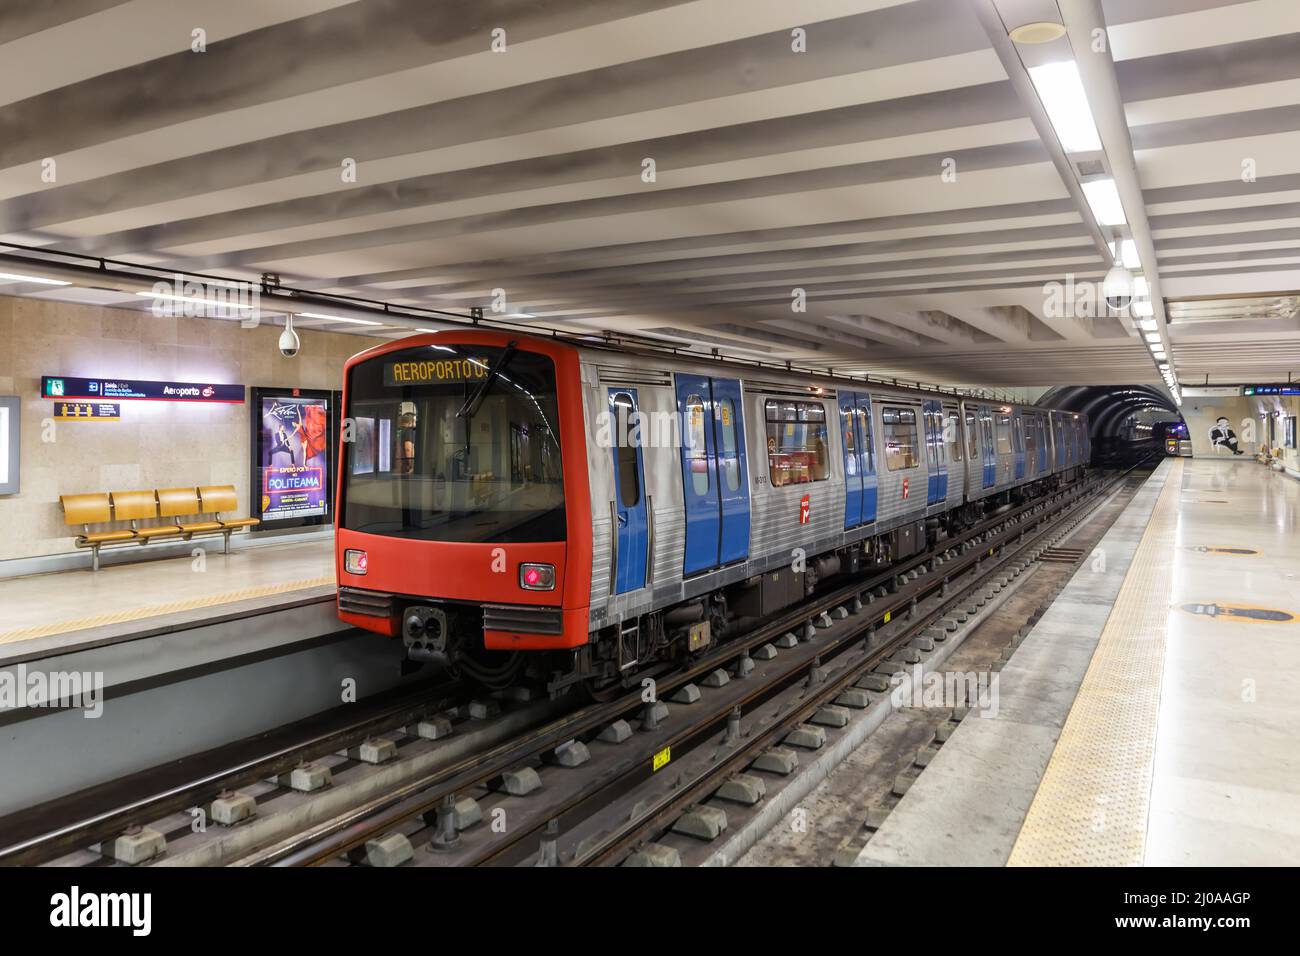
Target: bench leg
x=226 y=535
x=94 y=558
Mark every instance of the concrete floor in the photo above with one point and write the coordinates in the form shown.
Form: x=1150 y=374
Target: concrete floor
x=1226 y=789
x=67 y=601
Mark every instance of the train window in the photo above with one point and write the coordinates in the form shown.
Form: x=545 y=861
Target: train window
x=900 y=437
x=629 y=483
x=1004 y=435
x=934 y=437
x=868 y=446
x=797 y=447
x=728 y=461
x=952 y=436
x=696 y=452
x=1018 y=433
x=847 y=417
x=443 y=450
x=1031 y=441
x=972 y=440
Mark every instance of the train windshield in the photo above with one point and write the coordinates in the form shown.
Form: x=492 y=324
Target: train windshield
x=454 y=443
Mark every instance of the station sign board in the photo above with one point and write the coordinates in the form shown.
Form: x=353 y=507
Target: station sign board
x=138 y=390
x=1211 y=391
x=87 y=411
x=1271 y=390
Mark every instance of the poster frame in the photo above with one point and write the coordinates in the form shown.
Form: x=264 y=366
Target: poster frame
x=255 y=398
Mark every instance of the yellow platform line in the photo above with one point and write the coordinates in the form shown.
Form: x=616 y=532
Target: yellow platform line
x=1092 y=805
x=153 y=610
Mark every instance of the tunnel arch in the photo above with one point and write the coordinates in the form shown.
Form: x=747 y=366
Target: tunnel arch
x=1108 y=405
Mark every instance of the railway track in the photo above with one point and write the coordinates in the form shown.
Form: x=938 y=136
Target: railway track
x=91 y=816
x=850 y=802
x=493 y=808
x=606 y=791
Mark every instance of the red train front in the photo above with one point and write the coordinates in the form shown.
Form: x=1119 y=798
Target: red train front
x=464 y=515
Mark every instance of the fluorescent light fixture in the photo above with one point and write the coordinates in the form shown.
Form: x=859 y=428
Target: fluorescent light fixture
x=336 y=318
x=521 y=315
x=1143 y=307
x=1128 y=252
x=1103 y=199
x=1159 y=355
x=1062 y=95
x=215 y=303
x=1140 y=287
x=15 y=277
x=1164 y=366
x=1152 y=336
x=1039 y=31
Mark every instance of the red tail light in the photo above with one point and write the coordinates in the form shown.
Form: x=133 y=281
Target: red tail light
x=537 y=577
x=355 y=562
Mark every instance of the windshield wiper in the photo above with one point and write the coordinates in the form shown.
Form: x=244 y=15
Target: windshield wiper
x=471 y=404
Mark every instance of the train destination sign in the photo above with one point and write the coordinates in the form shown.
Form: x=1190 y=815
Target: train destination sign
x=123 y=389
x=436 y=371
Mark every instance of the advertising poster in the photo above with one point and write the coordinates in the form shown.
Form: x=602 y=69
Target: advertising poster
x=292 y=457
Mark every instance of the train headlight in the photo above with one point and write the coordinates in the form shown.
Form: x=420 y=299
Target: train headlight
x=355 y=562
x=537 y=577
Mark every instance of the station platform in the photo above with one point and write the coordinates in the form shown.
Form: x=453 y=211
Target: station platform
x=63 y=610
x=171 y=656
x=1150 y=717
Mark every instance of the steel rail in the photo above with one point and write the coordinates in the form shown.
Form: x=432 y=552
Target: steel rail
x=410 y=705
x=660 y=816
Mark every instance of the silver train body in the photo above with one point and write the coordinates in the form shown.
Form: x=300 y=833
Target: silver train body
x=799 y=456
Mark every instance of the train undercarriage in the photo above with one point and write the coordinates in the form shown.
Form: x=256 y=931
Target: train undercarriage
x=448 y=635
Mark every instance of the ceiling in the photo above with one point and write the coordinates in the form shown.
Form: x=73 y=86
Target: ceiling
x=899 y=172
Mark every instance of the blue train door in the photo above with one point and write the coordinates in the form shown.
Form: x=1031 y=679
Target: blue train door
x=859 y=462
x=629 y=491
x=852 y=441
x=733 y=476
x=1040 y=424
x=990 y=449
x=937 y=487
x=714 y=479
x=866 y=458
x=1018 y=443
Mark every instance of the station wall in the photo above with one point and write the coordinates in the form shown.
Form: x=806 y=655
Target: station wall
x=155 y=444
x=1200 y=414
x=1290 y=456
x=1249 y=418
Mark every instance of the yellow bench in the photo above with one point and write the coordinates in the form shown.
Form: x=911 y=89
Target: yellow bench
x=171 y=513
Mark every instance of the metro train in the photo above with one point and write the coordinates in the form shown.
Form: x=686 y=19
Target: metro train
x=579 y=510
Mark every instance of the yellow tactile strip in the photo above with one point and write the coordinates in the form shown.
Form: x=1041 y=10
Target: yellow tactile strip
x=1092 y=804
x=154 y=610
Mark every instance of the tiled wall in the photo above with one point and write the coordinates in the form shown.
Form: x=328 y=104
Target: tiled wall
x=156 y=444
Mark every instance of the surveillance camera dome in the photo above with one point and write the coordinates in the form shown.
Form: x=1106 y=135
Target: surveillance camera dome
x=289 y=341
x=1117 y=287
